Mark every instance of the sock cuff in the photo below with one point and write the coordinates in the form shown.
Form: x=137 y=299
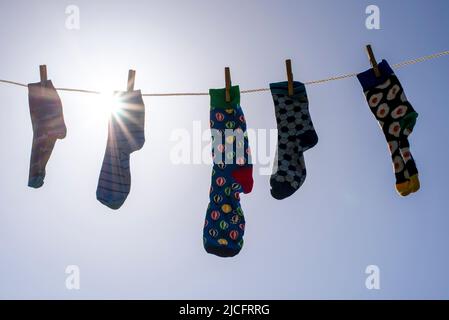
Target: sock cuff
x=368 y=79
x=44 y=90
x=46 y=109
x=131 y=97
x=218 y=97
x=299 y=89
x=128 y=94
x=46 y=84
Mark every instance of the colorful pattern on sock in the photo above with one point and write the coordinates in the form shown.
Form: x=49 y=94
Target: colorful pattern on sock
x=231 y=174
x=397 y=118
x=48 y=125
x=126 y=135
x=296 y=135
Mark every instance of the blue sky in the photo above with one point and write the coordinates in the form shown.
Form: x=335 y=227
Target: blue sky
x=315 y=244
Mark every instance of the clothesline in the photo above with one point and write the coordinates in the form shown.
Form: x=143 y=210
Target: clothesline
x=340 y=77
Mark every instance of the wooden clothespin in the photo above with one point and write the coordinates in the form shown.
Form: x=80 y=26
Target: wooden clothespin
x=43 y=73
x=228 y=84
x=131 y=80
x=373 y=61
x=288 y=64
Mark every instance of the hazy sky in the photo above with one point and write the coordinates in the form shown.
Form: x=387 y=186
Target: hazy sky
x=315 y=244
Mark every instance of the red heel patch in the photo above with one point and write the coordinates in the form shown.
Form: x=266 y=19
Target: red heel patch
x=244 y=176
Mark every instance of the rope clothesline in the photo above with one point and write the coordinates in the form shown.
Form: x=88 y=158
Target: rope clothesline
x=341 y=77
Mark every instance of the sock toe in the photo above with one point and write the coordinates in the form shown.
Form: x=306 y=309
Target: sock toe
x=403 y=188
x=408 y=187
x=281 y=190
x=36 y=182
x=113 y=204
x=415 y=185
x=223 y=252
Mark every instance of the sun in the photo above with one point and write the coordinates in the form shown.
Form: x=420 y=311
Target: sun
x=110 y=101
x=107 y=104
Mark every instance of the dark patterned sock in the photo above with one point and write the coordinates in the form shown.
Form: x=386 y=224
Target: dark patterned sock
x=296 y=135
x=397 y=118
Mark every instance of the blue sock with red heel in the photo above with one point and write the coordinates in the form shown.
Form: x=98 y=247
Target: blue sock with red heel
x=232 y=174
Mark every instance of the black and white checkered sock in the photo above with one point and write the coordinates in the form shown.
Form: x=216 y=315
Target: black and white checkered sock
x=296 y=134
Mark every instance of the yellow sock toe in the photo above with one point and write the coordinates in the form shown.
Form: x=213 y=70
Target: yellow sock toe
x=414 y=183
x=403 y=188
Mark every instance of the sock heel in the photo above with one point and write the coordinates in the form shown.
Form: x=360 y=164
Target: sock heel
x=244 y=176
x=308 y=139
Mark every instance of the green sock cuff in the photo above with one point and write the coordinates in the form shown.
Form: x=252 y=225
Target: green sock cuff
x=218 y=97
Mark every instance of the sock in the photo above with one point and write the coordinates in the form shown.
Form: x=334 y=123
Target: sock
x=397 y=118
x=296 y=135
x=231 y=174
x=48 y=126
x=126 y=135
